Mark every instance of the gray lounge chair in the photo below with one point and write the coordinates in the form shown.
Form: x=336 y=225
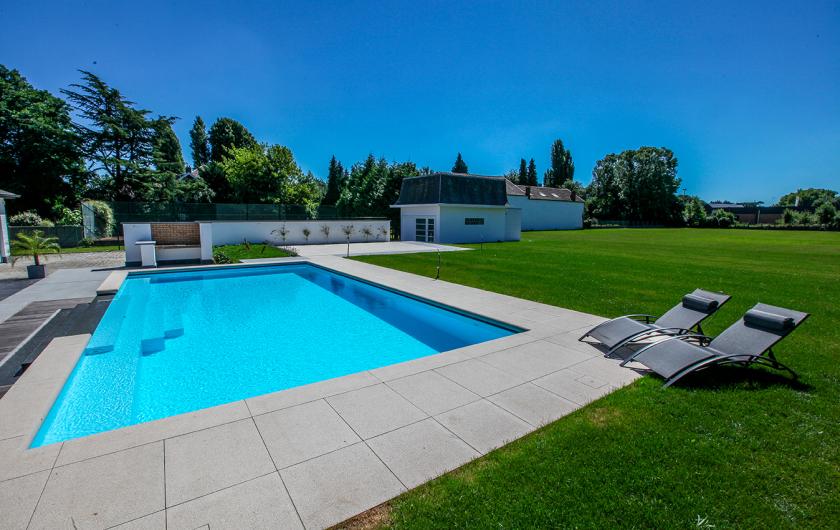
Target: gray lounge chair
x=680 y=319
x=748 y=341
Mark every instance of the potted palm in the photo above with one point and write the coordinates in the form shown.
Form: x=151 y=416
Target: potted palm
x=35 y=244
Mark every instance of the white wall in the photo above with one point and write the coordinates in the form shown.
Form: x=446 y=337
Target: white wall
x=132 y=233
x=5 y=252
x=548 y=215
x=214 y=233
x=513 y=224
x=408 y=215
x=453 y=229
x=233 y=232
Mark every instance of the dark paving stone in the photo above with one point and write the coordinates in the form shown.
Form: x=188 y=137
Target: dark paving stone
x=10 y=287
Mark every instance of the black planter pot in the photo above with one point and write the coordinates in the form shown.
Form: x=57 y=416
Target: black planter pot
x=36 y=272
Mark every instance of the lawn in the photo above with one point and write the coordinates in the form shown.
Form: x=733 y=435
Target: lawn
x=730 y=448
x=236 y=253
x=79 y=250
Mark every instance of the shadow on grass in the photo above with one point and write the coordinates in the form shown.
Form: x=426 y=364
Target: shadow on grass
x=740 y=378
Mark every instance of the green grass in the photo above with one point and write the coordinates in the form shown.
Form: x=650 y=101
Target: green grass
x=79 y=250
x=731 y=448
x=251 y=251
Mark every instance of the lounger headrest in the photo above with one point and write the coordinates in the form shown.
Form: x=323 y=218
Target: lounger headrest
x=771 y=321
x=699 y=303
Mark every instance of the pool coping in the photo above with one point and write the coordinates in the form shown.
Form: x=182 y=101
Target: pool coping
x=545 y=327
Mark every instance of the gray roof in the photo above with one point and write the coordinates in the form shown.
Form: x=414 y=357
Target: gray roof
x=541 y=193
x=8 y=195
x=453 y=188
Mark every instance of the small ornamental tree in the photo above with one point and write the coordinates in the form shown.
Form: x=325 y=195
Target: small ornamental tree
x=282 y=232
x=367 y=232
x=306 y=233
x=325 y=229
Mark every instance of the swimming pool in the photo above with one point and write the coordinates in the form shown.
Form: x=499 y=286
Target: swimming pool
x=176 y=342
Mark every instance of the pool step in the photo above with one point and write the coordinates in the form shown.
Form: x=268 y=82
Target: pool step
x=161 y=324
x=103 y=341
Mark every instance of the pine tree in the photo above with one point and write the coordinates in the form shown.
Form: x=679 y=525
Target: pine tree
x=116 y=138
x=532 y=173
x=523 y=172
x=227 y=133
x=168 y=161
x=199 y=143
x=335 y=182
x=460 y=166
x=562 y=166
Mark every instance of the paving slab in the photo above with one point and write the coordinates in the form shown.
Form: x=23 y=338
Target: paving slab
x=432 y=393
x=16 y=459
x=533 y=404
x=334 y=487
x=483 y=425
x=25 y=405
x=18 y=498
x=374 y=410
x=567 y=384
x=206 y=461
x=143 y=433
x=479 y=377
x=259 y=503
x=306 y=393
x=103 y=491
x=302 y=432
x=421 y=451
x=534 y=359
x=153 y=521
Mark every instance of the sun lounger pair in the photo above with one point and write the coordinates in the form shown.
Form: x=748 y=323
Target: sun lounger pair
x=747 y=341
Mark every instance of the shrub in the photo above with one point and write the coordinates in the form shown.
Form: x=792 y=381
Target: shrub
x=103 y=218
x=826 y=213
x=694 y=214
x=221 y=258
x=804 y=218
x=722 y=219
x=67 y=216
x=787 y=217
x=87 y=242
x=29 y=218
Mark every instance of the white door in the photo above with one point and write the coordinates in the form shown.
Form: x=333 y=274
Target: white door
x=424 y=229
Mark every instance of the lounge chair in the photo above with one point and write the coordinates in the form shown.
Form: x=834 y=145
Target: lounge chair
x=680 y=319
x=748 y=341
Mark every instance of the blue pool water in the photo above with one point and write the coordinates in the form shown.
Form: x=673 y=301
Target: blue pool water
x=171 y=343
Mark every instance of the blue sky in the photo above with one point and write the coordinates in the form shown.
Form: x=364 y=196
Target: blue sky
x=746 y=93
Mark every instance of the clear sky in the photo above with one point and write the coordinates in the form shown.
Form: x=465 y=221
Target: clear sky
x=746 y=93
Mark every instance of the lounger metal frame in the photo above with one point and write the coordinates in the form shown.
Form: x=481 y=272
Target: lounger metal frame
x=765 y=358
x=653 y=332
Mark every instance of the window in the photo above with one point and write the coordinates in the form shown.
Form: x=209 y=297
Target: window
x=474 y=220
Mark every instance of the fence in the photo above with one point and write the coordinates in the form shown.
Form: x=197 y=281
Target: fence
x=132 y=212
x=68 y=236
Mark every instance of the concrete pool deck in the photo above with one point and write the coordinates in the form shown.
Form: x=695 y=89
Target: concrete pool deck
x=310 y=456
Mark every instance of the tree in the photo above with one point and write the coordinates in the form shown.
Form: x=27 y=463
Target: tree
x=373 y=186
x=523 y=172
x=532 y=173
x=336 y=178
x=268 y=174
x=637 y=185
x=227 y=133
x=810 y=198
x=562 y=167
x=117 y=139
x=40 y=155
x=199 y=145
x=168 y=162
x=460 y=166
x=825 y=213
x=694 y=213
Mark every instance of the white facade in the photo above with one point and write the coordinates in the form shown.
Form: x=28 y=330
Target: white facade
x=457 y=223
x=548 y=215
